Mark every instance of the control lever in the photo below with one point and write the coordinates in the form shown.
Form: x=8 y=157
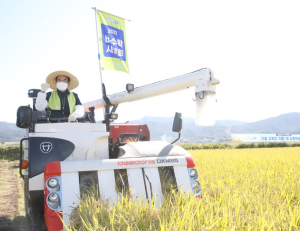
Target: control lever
x=140 y=133
x=48 y=114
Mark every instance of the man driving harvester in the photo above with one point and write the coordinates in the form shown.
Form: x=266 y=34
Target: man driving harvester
x=62 y=102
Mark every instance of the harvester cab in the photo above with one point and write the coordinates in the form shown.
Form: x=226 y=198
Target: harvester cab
x=58 y=159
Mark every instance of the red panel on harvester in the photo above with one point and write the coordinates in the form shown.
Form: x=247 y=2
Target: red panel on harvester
x=117 y=129
x=52 y=218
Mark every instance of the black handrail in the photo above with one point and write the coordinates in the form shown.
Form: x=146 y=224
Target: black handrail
x=144 y=174
x=123 y=184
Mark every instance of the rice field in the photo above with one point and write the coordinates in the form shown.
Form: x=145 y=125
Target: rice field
x=243 y=189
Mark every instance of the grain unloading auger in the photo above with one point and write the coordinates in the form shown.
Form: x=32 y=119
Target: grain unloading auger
x=62 y=159
x=205 y=90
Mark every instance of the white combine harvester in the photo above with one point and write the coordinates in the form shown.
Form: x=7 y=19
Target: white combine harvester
x=61 y=159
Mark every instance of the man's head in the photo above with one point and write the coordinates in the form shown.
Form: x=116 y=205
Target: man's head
x=60 y=77
x=62 y=82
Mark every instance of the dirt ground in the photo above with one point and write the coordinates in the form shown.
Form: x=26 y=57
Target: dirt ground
x=12 y=216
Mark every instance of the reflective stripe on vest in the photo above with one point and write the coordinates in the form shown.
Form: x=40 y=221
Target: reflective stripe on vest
x=54 y=101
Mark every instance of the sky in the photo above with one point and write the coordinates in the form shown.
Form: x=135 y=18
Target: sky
x=252 y=47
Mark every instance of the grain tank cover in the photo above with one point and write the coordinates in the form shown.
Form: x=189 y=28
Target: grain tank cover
x=150 y=149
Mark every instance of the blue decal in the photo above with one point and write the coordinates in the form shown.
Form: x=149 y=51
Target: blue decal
x=113 y=42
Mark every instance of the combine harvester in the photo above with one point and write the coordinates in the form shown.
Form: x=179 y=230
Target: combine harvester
x=61 y=159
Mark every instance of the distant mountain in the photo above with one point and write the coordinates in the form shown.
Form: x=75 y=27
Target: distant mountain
x=161 y=128
x=147 y=119
x=286 y=123
x=4 y=126
x=229 y=123
x=9 y=132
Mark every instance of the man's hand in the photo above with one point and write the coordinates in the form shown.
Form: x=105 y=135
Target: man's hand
x=45 y=87
x=72 y=118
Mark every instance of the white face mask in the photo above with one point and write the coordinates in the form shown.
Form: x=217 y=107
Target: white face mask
x=62 y=86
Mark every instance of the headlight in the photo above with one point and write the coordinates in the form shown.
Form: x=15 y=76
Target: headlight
x=53 y=197
x=196 y=188
x=193 y=174
x=53 y=200
x=53 y=183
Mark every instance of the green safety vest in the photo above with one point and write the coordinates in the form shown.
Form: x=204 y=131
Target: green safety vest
x=54 y=101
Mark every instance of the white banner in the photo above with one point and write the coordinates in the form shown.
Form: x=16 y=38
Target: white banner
x=280 y=137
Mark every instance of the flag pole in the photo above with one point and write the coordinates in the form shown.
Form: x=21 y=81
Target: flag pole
x=99 y=57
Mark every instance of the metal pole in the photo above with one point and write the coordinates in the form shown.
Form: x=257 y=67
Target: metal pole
x=99 y=58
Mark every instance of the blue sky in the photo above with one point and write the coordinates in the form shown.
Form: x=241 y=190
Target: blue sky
x=252 y=47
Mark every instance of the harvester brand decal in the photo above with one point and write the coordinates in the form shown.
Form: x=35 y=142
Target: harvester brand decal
x=137 y=162
x=46 y=147
x=158 y=161
x=165 y=161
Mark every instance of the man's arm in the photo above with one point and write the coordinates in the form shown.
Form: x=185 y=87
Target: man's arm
x=41 y=101
x=79 y=110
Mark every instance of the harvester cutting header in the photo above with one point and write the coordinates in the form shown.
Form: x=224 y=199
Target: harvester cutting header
x=63 y=157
